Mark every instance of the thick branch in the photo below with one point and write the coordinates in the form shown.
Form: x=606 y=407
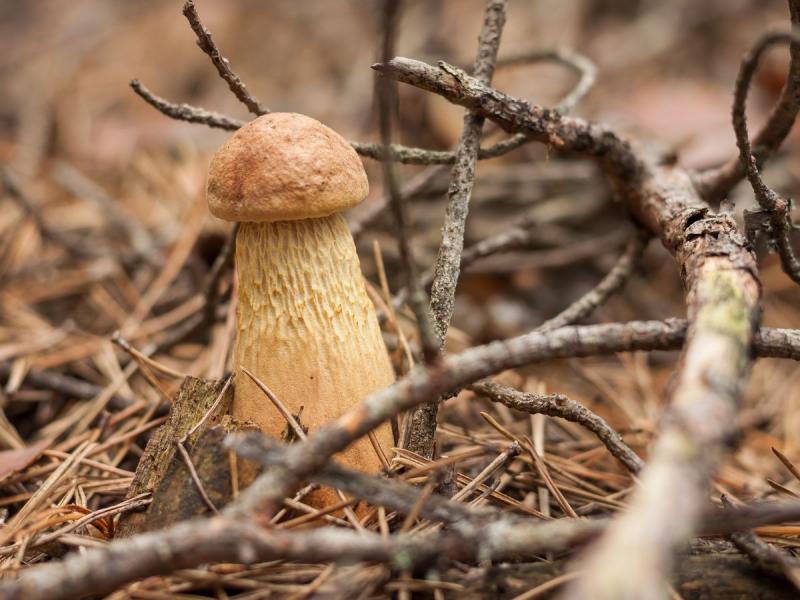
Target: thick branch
x=514 y=115
x=219 y=539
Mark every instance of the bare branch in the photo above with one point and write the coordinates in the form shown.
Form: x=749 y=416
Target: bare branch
x=462 y=177
x=514 y=115
x=219 y=539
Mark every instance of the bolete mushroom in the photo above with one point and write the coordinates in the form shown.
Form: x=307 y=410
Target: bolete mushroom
x=305 y=324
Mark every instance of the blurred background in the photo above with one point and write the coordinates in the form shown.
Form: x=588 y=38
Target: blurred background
x=113 y=233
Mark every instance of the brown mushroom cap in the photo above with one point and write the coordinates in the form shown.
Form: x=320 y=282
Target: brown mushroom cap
x=283 y=167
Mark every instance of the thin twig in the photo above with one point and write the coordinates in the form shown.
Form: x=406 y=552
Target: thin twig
x=790 y=466
x=144 y=360
x=423 y=156
x=544 y=473
x=501 y=459
x=462 y=178
x=422 y=420
x=187 y=460
x=769 y=559
x=598 y=295
x=387 y=94
x=585 y=69
x=221 y=63
x=211 y=409
x=291 y=420
x=185 y=112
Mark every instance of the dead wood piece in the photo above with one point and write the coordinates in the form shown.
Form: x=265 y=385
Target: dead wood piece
x=178 y=496
x=160 y=467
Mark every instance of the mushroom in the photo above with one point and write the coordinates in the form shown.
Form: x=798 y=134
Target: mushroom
x=305 y=325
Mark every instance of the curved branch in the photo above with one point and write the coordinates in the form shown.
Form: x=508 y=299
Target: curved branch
x=714 y=184
x=585 y=69
x=775 y=210
x=558 y=405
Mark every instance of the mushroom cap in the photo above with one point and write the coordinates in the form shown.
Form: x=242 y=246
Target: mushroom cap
x=283 y=167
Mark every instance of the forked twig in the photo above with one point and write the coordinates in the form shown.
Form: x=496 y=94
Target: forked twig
x=207 y=45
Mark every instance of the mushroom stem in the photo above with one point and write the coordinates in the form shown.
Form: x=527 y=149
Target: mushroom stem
x=307 y=329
